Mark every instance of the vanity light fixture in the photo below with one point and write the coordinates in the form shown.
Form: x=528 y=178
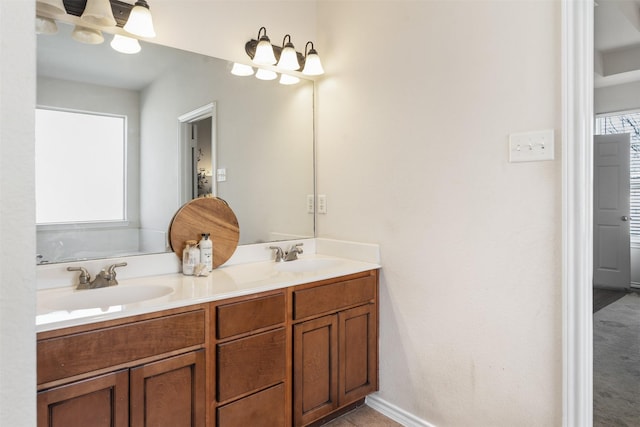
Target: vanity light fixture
x=264 y=51
x=140 y=22
x=124 y=44
x=51 y=7
x=286 y=79
x=45 y=25
x=98 y=12
x=288 y=55
x=263 y=74
x=87 y=35
x=242 y=70
x=312 y=64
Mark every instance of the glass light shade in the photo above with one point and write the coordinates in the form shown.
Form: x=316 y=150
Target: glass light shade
x=312 y=65
x=51 y=7
x=263 y=74
x=124 y=44
x=286 y=79
x=45 y=25
x=98 y=12
x=289 y=59
x=87 y=35
x=264 y=53
x=241 y=70
x=140 y=22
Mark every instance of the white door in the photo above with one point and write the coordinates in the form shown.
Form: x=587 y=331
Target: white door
x=611 y=241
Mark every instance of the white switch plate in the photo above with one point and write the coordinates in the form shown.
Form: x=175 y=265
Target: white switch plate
x=221 y=175
x=531 y=146
x=322 y=204
x=310 y=204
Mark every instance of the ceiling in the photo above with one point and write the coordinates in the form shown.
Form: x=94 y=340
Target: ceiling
x=617 y=42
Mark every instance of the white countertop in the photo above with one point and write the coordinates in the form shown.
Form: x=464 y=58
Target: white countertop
x=224 y=282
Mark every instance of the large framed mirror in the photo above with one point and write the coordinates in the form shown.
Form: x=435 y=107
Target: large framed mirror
x=253 y=148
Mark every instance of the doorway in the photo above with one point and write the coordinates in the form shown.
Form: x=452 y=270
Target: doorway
x=197 y=144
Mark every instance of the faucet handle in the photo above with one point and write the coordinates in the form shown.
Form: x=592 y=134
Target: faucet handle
x=84 y=277
x=279 y=253
x=112 y=267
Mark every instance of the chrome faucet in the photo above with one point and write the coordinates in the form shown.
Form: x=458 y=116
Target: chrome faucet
x=279 y=253
x=292 y=253
x=106 y=277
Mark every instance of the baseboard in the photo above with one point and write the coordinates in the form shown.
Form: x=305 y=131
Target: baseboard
x=398 y=415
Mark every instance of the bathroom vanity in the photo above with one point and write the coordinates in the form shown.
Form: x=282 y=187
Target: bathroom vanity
x=256 y=344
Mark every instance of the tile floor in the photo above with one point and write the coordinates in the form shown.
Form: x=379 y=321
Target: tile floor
x=361 y=417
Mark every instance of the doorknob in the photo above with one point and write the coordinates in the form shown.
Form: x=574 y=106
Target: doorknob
x=625 y=218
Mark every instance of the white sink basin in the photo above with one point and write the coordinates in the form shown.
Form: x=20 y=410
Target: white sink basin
x=305 y=265
x=107 y=297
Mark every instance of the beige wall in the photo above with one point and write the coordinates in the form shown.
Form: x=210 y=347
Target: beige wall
x=414 y=115
x=17 y=214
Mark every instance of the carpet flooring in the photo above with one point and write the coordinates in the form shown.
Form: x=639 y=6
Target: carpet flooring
x=616 y=363
x=604 y=297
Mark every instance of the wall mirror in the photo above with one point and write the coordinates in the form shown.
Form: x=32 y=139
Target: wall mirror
x=257 y=153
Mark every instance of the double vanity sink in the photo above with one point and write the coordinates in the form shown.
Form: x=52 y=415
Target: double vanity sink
x=66 y=306
x=292 y=343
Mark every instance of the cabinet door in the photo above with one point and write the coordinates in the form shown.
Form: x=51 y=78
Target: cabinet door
x=102 y=401
x=170 y=392
x=315 y=369
x=266 y=408
x=358 y=353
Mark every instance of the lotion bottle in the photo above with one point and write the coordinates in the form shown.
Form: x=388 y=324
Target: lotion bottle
x=206 y=252
x=190 y=257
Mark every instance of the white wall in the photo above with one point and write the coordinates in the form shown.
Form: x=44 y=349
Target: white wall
x=414 y=116
x=17 y=214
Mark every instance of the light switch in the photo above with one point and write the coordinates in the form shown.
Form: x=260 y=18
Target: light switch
x=322 y=204
x=221 y=175
x=310 y=204
x=531 y=146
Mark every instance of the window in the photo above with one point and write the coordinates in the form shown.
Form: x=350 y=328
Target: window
x=80 y=167
x=627 y=122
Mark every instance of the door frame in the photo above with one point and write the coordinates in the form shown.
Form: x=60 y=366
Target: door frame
x=577 y=211
x=184 y=122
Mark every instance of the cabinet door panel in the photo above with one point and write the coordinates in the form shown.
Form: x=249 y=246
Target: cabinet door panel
x=96 y=402
x=246 y=316
x=358 y=353
x=315 y=369
x=169 y=392
x=330 y=298
x=265 y=409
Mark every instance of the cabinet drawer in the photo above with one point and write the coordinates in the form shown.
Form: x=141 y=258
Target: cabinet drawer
x=268 y=406
x=249 y=364
x=332 y=297
x=80 y=353
x=246 y=316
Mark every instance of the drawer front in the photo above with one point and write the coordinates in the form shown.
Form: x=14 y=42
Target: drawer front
x=246 y=316
x=249 y=364
x=332 y=297
x=80 y=353
x=268 y=406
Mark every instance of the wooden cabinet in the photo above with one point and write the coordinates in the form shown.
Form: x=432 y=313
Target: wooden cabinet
x=335 y=360
x=146 y=372
x=282 y=358
x=251 y=362
x=102 y=401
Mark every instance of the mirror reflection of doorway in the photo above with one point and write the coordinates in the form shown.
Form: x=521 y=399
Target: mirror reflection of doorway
x=202 y=165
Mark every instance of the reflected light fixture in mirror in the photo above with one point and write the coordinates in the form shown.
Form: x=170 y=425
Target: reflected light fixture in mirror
x=98 y=12
x=45 y=25
x=286 y=79
x=87 y=35
x=263 y=74
x=288 y=56
x=264 y=51
x=51 y=7
x=124 y=44
x=312 y=64
x=242 y=70
x=140 y=22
